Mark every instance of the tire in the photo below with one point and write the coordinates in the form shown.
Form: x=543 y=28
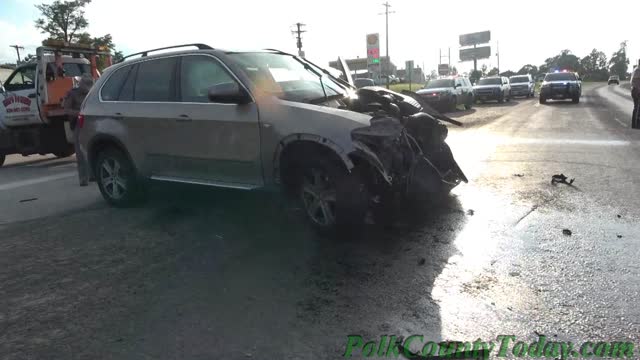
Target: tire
x=453 y=106
x=2 y=158
x=70 y=150
x=543 y=100
x=119 y=186
x=334 y=199
x=575 y=100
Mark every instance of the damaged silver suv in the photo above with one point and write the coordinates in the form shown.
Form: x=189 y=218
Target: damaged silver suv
x=264 y=119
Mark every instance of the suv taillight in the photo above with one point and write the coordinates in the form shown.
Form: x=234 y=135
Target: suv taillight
x=80 y=122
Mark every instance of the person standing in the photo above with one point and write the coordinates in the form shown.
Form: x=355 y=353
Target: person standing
x=635 y=94
x=72 y=102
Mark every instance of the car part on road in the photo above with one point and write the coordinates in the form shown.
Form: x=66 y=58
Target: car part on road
x=28 y=200
x=561 y=179
x=566 y=232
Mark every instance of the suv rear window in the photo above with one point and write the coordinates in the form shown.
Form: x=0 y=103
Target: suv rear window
x=155 y=79
x=111 y=89
x=490 y=81
x=519 y=79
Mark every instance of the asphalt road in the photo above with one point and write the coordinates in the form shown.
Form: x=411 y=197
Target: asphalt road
x=205 y=274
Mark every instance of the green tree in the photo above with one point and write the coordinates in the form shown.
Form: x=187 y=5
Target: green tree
x=507 y=73
x=619 y=63
x=475 y=75
x=493 y=72
x=528 y=69
x=63 y=20
x=564 y=61
x=594 y=66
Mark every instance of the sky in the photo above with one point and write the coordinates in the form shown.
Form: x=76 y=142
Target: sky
x=527 y=32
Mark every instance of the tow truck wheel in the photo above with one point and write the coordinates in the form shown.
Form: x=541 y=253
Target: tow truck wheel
x=117 y=178
x=2 y=157
x=333 y=198
x=65 y=152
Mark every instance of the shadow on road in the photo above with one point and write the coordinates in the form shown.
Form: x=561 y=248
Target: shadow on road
x=204 y=273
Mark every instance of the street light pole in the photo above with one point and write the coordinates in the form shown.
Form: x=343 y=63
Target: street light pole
x=386 y=14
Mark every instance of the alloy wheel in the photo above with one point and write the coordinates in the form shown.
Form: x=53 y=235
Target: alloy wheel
x=112 y=178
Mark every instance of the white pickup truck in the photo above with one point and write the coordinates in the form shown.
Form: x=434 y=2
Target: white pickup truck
x=32 y=118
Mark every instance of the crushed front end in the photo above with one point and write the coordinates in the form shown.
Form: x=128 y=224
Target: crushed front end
x=405 y=145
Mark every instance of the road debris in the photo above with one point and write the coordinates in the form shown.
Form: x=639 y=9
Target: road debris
x=514 y=273
x=470 y=212
x=518 y=175
x=566 y=232
x=619 y=216
x=619 y=236
x=422 y=261
x=28 y=200
x=561 y=179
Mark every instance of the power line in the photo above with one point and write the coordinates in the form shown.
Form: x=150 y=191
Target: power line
x=299 y=33
x=18 y=48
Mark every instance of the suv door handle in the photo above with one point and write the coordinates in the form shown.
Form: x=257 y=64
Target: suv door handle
x=183 y=118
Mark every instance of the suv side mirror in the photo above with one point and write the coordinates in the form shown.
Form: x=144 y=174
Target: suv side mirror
x=228 y=93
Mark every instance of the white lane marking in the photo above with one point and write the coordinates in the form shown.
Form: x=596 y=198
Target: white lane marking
x=17 y=184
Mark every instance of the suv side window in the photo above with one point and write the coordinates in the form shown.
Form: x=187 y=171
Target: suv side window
x=155 y=80
x=111 y=89
x=197 y=74
x=23 y=79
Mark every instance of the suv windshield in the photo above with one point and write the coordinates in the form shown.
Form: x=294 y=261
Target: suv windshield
x=286 y=77
x=440 y=83
x=520 y=79
x=490 y=81
x=560 y=77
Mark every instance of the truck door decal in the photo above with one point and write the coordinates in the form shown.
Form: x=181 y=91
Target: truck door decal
x=17 y=103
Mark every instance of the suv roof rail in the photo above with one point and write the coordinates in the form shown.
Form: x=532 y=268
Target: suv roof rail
x=146 y=52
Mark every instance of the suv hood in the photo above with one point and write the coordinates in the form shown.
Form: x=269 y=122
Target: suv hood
x=426 y=91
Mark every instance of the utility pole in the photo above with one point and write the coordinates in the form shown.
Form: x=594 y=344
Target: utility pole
x=386 y=14
x=498 y=55
x=298 y=33
x=18 y=48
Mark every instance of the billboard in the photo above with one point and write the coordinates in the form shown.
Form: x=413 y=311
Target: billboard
x=470 y=54
x=482 y=37
x=373 y=49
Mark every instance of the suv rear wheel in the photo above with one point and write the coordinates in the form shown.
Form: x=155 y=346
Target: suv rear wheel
x=116 y=178
x=332 y=198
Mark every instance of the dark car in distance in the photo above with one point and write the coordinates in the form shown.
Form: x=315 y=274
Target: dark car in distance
x=447 y=93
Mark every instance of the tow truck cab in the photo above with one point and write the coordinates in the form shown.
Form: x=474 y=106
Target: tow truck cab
x=31 y=109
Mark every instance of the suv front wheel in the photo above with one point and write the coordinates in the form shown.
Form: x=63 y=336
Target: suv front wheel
x=116 y=178
x=332 y=197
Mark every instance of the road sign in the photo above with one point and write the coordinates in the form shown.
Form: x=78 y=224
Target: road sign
x=482 y=37
x=470 y=54
x=373 y=49
x=408 y=69
x=443 y=69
